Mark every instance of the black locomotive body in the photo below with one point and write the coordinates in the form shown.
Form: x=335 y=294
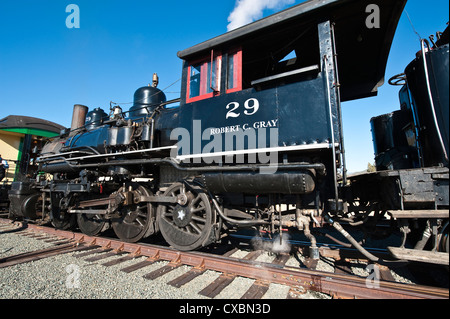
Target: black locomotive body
x=256 y=140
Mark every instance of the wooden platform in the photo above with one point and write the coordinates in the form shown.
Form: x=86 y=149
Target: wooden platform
x=403 y=214
x=420 y=255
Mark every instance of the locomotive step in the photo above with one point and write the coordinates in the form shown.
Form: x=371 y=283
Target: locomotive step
x=420 y=255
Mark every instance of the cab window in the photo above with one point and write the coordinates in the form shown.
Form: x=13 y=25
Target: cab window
x=203 y=78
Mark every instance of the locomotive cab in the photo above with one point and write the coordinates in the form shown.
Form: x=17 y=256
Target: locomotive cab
x=250 y=96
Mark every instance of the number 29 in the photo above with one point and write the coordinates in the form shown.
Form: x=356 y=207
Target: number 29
x=251 y=107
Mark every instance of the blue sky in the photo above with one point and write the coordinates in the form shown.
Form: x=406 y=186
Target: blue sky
x=46 y=68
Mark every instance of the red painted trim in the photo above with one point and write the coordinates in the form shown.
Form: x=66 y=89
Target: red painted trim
x=199 y=98
x=237 y=67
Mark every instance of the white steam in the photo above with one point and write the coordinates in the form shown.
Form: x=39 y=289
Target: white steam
x=275 y=246
x=246 y=11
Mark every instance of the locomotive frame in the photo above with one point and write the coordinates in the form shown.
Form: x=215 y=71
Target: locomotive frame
x=254 y=130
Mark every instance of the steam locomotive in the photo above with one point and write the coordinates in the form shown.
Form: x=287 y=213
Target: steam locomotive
x=256 y=141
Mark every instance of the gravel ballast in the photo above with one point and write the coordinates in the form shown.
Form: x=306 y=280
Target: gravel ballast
x=66 y=277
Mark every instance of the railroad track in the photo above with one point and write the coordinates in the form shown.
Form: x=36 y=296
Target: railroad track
x=300 y=280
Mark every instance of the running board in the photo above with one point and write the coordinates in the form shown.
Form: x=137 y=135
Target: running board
x=405 y=214
x=430 y=257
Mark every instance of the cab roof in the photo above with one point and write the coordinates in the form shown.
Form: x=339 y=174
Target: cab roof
x=362 y=52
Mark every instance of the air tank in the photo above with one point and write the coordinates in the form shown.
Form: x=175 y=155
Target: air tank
x=434 y=137
x=393 y=149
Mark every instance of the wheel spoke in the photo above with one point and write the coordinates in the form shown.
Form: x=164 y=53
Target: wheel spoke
x=198 y=209
x=196 y=228
x=140 y=221
x=168 y=212
x=196 y=199
x=199 y=219
x=142 y=214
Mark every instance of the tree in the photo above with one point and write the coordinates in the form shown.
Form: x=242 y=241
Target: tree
x=371 y=168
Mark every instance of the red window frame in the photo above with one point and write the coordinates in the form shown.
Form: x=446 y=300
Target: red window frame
x=205 y=77
x=206 y=74
x=237 y=70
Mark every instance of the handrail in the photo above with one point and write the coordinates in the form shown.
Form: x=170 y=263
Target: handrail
x=430 y=97
x=286 y=74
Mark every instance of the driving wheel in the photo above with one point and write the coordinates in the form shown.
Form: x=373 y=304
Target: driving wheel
x=135 y=221
x=91 y=224
x=59 y=215
x=187 y=224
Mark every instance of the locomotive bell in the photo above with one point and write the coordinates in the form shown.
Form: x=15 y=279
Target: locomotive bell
x=146 y=99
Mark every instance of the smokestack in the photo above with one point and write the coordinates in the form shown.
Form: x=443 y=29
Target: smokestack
x=78 y=117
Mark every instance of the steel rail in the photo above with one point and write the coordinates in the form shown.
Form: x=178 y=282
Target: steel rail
x=36 y=255
x=336 y=285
